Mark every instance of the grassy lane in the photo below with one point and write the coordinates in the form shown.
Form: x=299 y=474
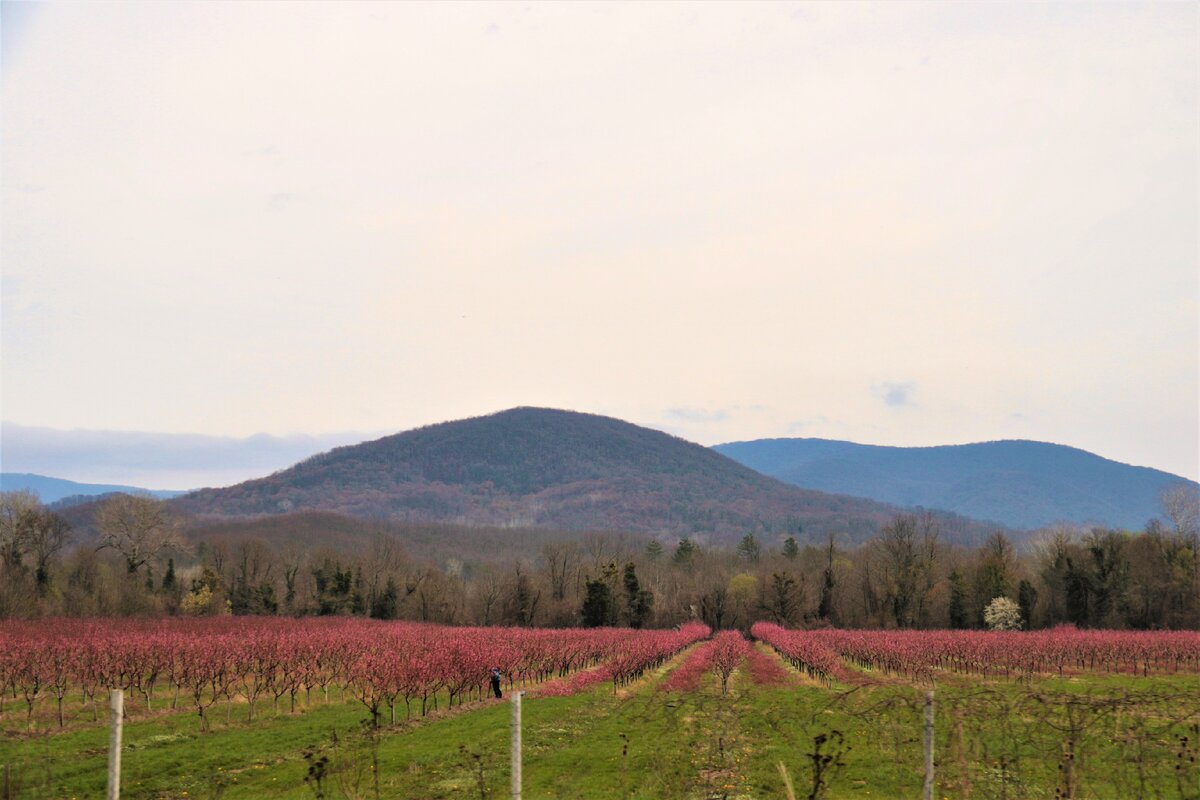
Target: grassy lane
x=652 y=744
x=572 y=749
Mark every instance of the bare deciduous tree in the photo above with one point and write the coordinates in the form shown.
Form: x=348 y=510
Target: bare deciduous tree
x=1181 y=503
x=139 y=528
x=908 y=547
x=387 y=559
x=48 y=534
x=487 y=587
x=562 y=559
x=17 y=510
x=291 y=558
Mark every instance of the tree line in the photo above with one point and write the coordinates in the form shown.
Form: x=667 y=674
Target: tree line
x=137 y=561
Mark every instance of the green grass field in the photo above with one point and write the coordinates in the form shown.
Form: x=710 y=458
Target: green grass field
x=1094 y=736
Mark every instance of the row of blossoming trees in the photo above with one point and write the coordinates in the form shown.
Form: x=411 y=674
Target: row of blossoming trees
x=915 y=654
x=202 y=662
x=251 y=660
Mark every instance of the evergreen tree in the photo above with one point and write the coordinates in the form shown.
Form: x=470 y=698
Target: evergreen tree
x=959 y=617
x=1077 y=585
x=631 y=584
x=783 y=602
x=168 y=582
x=1026 y=600
x=749 y=548
x=825 y=606
x=333 y=587
x=598 y=605
x=654 y=550
x=638 y=601
x=643 y=606
x=358 y=599
x=790 y=548
x=1109 y=576
x=685 y=553
x=387 y=603
x=264 y=599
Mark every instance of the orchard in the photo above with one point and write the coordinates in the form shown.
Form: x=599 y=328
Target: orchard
x=271 y=707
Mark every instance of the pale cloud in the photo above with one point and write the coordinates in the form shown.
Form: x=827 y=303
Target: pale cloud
x=895 y=395
x=369 y=217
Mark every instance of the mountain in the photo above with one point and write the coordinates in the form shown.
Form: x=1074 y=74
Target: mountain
x=1021 y=484
x=56 y=490
x=544 y=468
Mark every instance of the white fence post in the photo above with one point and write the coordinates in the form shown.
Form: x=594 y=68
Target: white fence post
x=928 y=746
x=516 y=744
x=117 y=698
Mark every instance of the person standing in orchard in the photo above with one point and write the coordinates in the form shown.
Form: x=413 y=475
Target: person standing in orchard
x=496 y=682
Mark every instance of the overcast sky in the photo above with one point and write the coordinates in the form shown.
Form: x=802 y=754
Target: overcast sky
x=896 y=224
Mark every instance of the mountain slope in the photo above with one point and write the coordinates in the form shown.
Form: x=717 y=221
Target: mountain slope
x=51 y=490
x=530 y=467
x=436 y=542
x=1022 y=484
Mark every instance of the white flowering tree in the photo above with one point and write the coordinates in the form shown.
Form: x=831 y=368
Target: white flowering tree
x=1002 y=614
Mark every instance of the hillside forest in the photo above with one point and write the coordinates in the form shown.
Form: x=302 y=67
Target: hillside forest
x=136 y=556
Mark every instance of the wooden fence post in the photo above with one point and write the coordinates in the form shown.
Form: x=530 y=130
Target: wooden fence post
x=117 y=698
x=928 y=795
x=516 y=744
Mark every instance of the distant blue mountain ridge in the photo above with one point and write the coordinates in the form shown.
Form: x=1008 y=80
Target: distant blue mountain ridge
x=1021 y=484
x=1016 y=483
x=53 y=490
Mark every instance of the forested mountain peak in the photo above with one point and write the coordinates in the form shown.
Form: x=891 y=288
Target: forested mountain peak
x=527 y=449
x=540 y=467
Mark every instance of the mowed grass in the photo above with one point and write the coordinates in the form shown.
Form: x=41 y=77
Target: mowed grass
x=995 y=738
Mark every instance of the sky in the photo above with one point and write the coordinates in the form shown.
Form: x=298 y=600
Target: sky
x=898 y=223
